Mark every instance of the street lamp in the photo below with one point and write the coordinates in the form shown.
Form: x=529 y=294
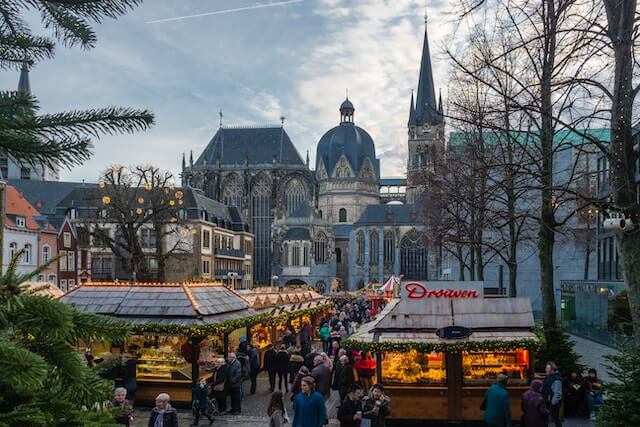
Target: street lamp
x=274 y=280
x=232 y=275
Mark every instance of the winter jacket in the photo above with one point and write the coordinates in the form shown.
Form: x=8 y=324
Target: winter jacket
x=337 y=369
x=366 y=367
x=289 y=340
x=346 y=378
x=325 y=333
x=497 y=411
x=234 y=374
x=347 y=410
x=254 y=360
x=322 y=375
x=220 y=377
x=294 y=363
x=282 y=361
x=124 y=417
x=368 y=403
x=534 y=409
x=170 y=417
x=200 y=395
x=594 y=386
x=552 y=389
x=308 y=360
x=309 y=410
x=270 y=360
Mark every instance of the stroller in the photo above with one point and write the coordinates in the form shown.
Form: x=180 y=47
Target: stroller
x=211 y=411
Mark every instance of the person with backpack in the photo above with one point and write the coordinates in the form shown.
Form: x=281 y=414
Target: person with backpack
x=552 y=391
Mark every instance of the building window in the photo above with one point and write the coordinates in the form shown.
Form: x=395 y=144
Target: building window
x=153 y=265
x=25 y=173
x=101 y=265
x=295 y=195
x=21 y=221
x=320 y=213
x=388 y=248
x=40 y=277
x=4 y=168
x=83 y=236
x=73 y=213
x=360 y=247
x=285 y=254
x=305 y=255
x=320 y=248
x=63 y=285
x=413 y=257
x=261 y=223
x=26 y=256
x=342 y=215
x=52 y=278
x=296 y=255
x=46 y=254
x=62 y=260
x=374 y=247
x=66 y=239
x=205 y=267
x=71 y=283
x=13 y=248
x=71 y=261
x=206 y=239
x=232 y=191
x=148 y=238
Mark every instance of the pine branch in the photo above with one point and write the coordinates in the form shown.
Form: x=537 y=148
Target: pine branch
x=67 y=27
x=21 y=368
x=19 y=49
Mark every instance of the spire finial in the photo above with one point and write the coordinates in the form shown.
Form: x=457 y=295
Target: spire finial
x=220 y=114
x=282 y=119
x=347 y=94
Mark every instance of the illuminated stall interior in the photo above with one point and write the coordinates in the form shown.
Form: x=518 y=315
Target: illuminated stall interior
x=413 y=362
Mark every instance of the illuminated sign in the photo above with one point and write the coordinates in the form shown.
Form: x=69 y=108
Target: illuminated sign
x=417 y=290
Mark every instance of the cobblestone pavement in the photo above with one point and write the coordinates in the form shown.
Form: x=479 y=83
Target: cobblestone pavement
x=592 y=355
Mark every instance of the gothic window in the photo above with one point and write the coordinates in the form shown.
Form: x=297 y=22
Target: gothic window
x=360 y=247
x=232 y=191
x=388 y=248
x=320 y=213
x=305 y=255
x=320 y=248
x=261 y=222
x=295 y=255
x=374 y=247
x=413 y=256
x=338 y=255
x=322 y=171
x=342 y=215
x=342 y=170
x=367 y=170
x=295 y=195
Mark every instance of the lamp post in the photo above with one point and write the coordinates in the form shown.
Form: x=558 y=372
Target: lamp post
x=274 y=280
x=232 y=275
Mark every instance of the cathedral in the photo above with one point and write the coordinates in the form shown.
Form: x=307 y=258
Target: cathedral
x=340 y=220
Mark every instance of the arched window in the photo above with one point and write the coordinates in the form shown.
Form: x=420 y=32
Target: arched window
x=360 y=247
x=261 y=222
x=374 y=247
x=232 y=191
x=295 y=255
x=305 y=255
x=13 y=248
x=320 y=213
x=413 y=257
x=295 y=195
x=320 y=248
x=389 y=248
x=342 y=215
x=26 y=256
x=46 y=254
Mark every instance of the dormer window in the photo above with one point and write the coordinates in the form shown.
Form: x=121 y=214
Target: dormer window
x=21 y=221
x=73 y=213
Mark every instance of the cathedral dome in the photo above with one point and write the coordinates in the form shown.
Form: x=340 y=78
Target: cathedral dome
x=347 y=140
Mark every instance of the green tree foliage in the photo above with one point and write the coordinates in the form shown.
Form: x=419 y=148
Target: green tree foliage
x=622 y=405
x=557 y=347
x=62 y=139
x=45 y=381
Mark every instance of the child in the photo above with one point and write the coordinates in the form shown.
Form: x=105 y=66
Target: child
x=201 y=402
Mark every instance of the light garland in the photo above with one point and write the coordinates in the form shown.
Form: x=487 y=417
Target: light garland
x=448 y=347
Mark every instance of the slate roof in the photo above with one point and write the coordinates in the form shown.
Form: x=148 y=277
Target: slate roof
x=401 y=214
x=343 y=230
x=426 y=107
x=393 y=181
x=174 y=303
x=231 y=145
x=303 y=211
x=297 y=233
x=45 y=195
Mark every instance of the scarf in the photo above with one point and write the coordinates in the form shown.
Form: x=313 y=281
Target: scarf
x=160 y=418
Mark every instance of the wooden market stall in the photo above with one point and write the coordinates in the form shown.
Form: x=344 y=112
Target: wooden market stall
x=179 y=329
x=437 y=356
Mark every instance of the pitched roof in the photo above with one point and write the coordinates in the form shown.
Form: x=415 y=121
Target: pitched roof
x=393 y=181
x=179 y=303
x=46 y=195
x=426 y=110
x=260 y=144
x=343 y=230
x=302 y=211
x=390 y=214
x=17 y=205
x=297 y=233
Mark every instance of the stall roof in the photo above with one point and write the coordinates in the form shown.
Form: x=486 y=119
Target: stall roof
x=265 y=298
x=168 y=303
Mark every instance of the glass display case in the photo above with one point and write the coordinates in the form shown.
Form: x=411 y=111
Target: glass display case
x=483 y=367
x=161 y=358
x=211 y=348
x=261 y=336
x=413 y=368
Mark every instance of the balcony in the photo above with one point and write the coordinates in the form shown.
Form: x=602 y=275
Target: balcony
x=222 y=274
x=233 y=253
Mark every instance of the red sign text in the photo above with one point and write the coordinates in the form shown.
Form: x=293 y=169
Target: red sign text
x=416 y=291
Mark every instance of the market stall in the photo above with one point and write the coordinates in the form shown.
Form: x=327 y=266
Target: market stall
x=437 y=355
x=178 y=329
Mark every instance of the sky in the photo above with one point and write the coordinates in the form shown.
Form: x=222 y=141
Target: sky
x=255 y=62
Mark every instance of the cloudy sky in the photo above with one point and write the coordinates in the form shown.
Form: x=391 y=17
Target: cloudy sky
x=293 y=59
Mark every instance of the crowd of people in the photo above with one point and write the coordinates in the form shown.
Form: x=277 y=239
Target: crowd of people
x=544 y=399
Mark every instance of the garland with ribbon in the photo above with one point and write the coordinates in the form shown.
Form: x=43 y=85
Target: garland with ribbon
x=488 y=345
x=223 y=327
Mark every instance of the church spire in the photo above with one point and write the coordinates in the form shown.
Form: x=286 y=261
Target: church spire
x=184 y=162
x=23 y=84
x=412 y=112
x=426 y=112
x=440 y=110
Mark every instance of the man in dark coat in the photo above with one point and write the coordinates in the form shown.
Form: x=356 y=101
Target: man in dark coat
x=282 y=367
x=163 y=409
x=234 y=378
x=552 y=391
x=346 y=378
x=270 y=366
x=496 y=406
x=322 y=376
x=350 y=411
x=376 y=406
x=254 y=367
x=220 y=385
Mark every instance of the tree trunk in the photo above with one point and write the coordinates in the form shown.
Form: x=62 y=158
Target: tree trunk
x=629 y=246
x=587 y=251
x=513 y=275
x=479 y=263
x=461 y=265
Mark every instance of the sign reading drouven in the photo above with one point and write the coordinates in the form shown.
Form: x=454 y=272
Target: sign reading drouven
x=417 y=290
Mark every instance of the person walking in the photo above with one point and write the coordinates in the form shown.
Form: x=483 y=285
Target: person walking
x=322 y=376
x=350 y=410
x=376 y=406
x=282 y=367
x=295 y=386
x=496 y=406
x=254 y=367
x=534 y=409
x=276 y=412
x=366 y=368
x=308 y=406
x=325 y=336
x=220 y=385
x=234 y=378
x=552 y=391
x=346 y=377
x=296 y=361
x=129 y=376
x=120 y=401
x=201 y=402
x=163 y=415
x=270 y=366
